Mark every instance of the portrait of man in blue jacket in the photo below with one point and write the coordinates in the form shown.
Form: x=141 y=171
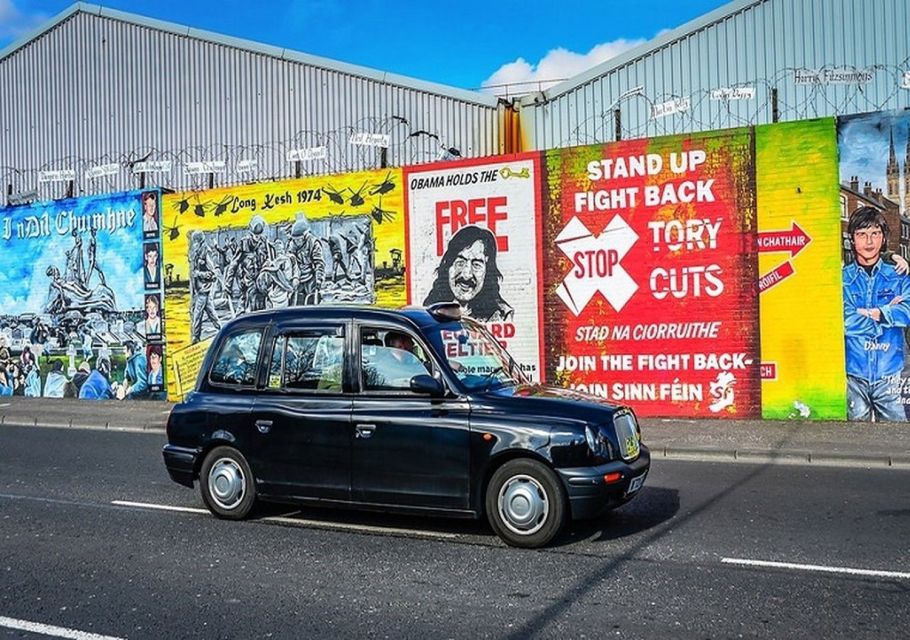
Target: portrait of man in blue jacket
x=876 y=311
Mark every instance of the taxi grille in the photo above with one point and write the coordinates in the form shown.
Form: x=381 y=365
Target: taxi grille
x=627 y=435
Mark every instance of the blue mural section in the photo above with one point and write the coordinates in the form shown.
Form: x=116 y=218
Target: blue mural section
x=874 y=150
x=80 y=298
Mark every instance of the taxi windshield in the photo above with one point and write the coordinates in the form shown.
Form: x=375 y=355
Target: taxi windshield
x=475 y=356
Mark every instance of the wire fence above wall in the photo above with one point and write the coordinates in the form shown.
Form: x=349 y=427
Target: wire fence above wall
x=790 y=94
x=368 y=144
x=377 y=142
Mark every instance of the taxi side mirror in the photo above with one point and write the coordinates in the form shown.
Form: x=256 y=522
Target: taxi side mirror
x=427 y=385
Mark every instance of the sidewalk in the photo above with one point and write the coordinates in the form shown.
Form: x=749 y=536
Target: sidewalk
x=781 y=441
x=883 y=445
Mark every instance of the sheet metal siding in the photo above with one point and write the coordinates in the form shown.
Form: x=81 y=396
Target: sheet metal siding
x=96 y=90
x=759 y=46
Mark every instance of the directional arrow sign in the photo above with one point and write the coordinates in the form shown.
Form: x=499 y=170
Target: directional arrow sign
x=776 y=276
x=794 y=240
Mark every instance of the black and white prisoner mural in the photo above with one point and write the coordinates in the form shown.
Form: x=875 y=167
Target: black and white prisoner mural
x=314 y=240
x=236 y=270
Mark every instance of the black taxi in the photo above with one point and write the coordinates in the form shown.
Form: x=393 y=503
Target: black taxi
x=415 y=410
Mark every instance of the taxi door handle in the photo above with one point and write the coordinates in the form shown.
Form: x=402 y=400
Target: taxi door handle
x=264 y=426
x=365 y=430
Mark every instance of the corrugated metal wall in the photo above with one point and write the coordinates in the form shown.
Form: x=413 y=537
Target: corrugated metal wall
x=760 y=45
x=96 y=90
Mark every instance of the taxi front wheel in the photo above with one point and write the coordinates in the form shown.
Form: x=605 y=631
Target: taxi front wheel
x=226 y=484
x=525 y=503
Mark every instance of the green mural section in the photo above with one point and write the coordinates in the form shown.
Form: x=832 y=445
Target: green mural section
x=802 y=332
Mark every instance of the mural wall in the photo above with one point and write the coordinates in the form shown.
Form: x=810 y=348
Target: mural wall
x=473 y=236
x=651 y=258
x=874 y=154
x=802 y=342
x=273 y=245
x=81 y=298
x=754 y=272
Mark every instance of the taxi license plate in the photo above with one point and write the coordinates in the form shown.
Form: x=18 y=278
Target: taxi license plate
x=636 y=484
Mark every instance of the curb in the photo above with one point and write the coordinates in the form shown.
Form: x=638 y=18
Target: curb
x=107 y=426
x=762 y=456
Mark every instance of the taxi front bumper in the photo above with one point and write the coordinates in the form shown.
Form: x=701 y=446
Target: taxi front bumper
x=590 y=494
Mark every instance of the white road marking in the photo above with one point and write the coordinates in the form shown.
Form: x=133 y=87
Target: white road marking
x=899 y=575
x=299 y=522
x=5 y=404
x=161 y=507
x=49 y=630
x=360 y=527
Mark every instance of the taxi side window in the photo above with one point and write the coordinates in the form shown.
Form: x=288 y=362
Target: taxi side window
x=389 y=359
x=236 y=362
x=308 y=360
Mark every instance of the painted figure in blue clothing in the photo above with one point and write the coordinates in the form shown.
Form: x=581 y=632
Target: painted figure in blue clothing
x=136 y=377
x=876 y=310
x=33 y=383
x=6 y=386
x=55 y=384
x=97 y=385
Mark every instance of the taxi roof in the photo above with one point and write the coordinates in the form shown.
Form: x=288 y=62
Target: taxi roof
x=417 y=316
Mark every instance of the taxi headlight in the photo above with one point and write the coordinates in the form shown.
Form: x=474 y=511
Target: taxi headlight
x=596 y=443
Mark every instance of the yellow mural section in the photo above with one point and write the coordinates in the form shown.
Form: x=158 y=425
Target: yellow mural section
x=185 y=365
x=801 y=308
x=357 y=220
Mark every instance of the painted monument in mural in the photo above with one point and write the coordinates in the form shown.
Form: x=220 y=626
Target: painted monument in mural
x=875 y=213
x=473 y=230
x=76 y=321
x=321 y=240
x=650 y=263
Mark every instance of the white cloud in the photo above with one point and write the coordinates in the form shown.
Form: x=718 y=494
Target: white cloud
x=558 y=64
x=15 y=22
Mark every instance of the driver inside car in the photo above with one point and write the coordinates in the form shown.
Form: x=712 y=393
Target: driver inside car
x=392 y=365
x=399 y=342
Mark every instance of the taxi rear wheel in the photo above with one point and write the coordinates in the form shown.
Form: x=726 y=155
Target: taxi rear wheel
x=226 y=484
x=525 y=503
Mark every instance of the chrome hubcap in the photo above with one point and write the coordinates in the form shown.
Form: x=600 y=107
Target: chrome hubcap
x=226 y=483
x=523 y=505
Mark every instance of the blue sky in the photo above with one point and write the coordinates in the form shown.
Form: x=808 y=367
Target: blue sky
x=863 y=143
x=462 y=44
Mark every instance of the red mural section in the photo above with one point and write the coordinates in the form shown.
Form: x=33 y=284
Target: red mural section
x=650 y=272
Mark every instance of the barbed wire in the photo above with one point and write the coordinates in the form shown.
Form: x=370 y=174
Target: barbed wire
x=778 y=98
x=637 y=109
x=242 y=163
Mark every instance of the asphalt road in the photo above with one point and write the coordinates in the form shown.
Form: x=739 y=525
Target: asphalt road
x=73 y=556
